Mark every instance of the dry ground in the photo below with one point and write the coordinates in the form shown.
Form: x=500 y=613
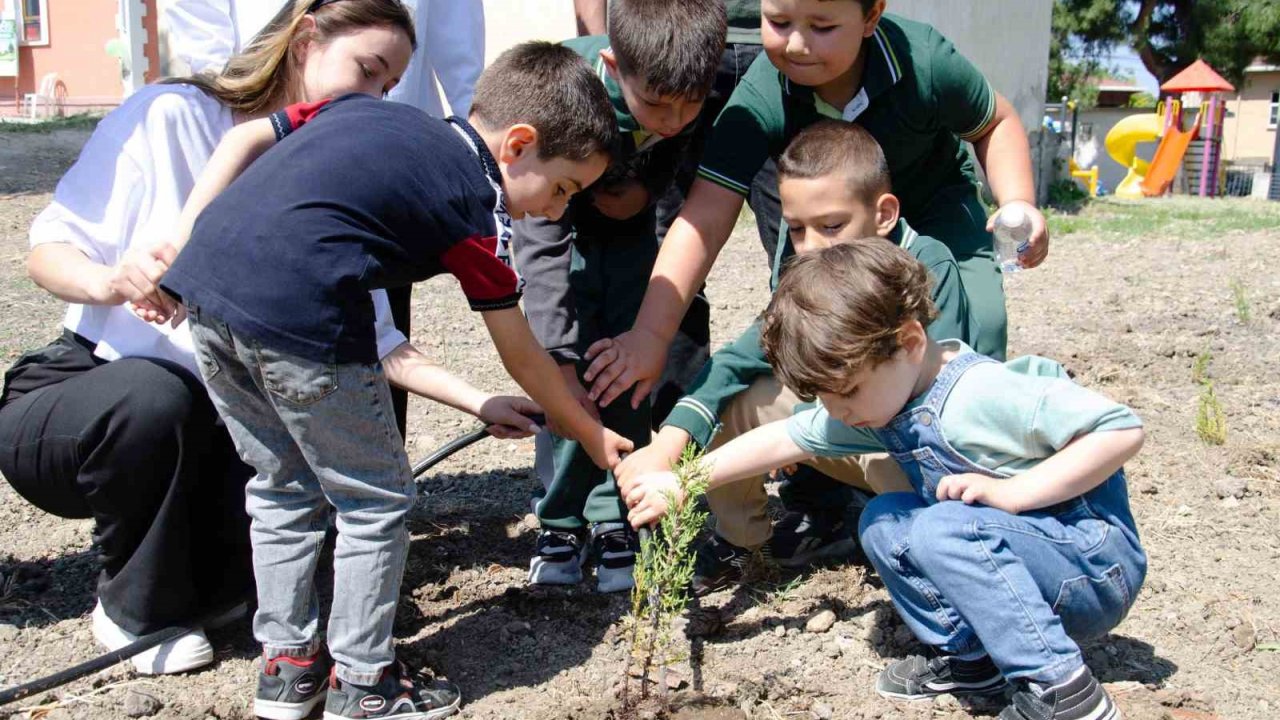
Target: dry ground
x=1128 y=300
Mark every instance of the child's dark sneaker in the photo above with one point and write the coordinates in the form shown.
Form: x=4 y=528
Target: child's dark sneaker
x=559 y=557
x=614 y=546
x=804 y=537
x=921 y=678
x=1080 y=698
x=398 y=695
x=290 y=688
x=719 y=564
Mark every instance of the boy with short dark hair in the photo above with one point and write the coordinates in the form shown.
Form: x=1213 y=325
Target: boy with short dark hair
x=360 y=194
x=1016 y=541
x=834 y=184
x=587 y=270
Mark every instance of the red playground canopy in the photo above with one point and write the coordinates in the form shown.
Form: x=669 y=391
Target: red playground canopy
x=1197 y=77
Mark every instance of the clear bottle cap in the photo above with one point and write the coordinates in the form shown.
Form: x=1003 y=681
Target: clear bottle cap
x=1013 y=216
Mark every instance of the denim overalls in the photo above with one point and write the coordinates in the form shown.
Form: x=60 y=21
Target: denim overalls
x=971 y=580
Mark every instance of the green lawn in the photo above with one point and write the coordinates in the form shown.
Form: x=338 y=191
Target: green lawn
x=1182 y=218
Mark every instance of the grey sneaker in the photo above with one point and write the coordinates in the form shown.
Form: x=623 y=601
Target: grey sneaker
x=921 y=678
x=561 y=554
x=1080 y=698
x=719 y=564
x=614 y=546
x=803 y=537
x=398 y=695
x=290 y=688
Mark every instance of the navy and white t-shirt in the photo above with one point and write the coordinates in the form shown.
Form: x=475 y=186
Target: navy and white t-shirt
x=367 y=194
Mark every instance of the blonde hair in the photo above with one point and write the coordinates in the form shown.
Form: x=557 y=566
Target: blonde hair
x=259 y=77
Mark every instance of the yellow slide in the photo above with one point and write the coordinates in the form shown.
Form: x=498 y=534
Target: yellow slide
x=1122 y=144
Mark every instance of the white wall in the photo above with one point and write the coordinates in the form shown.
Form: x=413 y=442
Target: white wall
x=509 y=22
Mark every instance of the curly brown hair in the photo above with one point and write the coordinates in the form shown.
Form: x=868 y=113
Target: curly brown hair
x=839 y=310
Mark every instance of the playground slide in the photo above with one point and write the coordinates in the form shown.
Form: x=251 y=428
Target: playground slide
x=1122 y=143
x=1167 y=161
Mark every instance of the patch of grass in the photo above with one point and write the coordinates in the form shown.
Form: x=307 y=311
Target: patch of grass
x=774 y=597
x=81 y=121
x=1200 y=368
x=1211 y=422
x=1178 y=218
x=1241 y=301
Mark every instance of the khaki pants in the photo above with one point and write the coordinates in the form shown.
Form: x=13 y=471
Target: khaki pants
x=740 y=507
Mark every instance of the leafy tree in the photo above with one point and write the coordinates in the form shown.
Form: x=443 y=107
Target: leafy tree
x=1167 y=35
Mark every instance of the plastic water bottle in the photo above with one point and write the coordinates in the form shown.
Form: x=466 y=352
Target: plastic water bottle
x=1013 y=237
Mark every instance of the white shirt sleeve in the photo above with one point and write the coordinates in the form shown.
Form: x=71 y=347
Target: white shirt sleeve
x=389 y=338
x=454 y=44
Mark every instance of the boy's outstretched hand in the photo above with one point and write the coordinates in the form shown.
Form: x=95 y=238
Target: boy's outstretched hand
x=508 y=416
x=636 y=357
x=608 y=449
x=1038 y=246
x=648 y=496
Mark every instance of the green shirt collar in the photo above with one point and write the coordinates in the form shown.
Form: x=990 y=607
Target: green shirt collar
x=626 y=121
x=882 y=72
x=903 y=234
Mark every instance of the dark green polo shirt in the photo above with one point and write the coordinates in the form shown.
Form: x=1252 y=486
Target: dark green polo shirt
x=744 y=21
x=920 y=98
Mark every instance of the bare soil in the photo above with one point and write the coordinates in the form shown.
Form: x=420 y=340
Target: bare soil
x=1128 y=316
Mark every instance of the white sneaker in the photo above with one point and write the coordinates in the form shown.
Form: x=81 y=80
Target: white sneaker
x=185 y=652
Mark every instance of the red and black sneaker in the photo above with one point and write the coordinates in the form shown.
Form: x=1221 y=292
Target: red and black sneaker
x=290 y=688
x=398 y=695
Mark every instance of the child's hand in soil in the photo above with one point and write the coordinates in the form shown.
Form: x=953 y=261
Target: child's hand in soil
x=649 y=496
x=508 y=416
x=972 y=488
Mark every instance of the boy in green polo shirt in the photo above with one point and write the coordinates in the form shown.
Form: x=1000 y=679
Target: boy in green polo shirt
x=587 y=271
x=913 y=92
x=834 y=182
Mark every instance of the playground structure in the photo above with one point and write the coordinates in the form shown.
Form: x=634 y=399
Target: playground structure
x=1202 y=166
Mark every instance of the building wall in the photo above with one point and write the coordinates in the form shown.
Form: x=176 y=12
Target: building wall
x=1245 y=132
x=78 y=34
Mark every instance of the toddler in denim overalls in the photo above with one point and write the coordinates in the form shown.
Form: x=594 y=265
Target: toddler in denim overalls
x=1017 y=541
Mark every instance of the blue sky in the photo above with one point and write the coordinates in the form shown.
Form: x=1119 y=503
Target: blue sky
x=1125 y=60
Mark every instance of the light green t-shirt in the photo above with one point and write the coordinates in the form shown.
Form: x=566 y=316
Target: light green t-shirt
x=1004 y=417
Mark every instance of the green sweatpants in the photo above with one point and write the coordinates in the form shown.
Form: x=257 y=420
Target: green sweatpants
x=957 y=218
x=609 y=272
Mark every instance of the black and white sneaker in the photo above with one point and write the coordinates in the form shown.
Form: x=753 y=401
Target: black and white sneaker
x=559 y=557
x=804 y=537
x=921 y=678
x=1080 y=698
x=290 y=688
x=614 y=546
x=398 y=695
x=720 y=564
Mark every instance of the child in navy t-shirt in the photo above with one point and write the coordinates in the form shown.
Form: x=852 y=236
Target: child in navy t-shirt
x=359 y=194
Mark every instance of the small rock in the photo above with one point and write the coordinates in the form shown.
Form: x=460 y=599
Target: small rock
x=1149 y=489
x=8 y=633
x=518 y=627
x=822 y=711
x=780 y=630
x=1231 y=487
x=831 y=650
x=947 y=702
x=139 y=704
x=1244 y=636
x=1229 y=503
x=820 y=622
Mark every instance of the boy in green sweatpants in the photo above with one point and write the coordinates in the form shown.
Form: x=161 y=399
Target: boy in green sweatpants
x=586 y=272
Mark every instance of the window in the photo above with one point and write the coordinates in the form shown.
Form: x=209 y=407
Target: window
x=35 y=22
x=1273 y=116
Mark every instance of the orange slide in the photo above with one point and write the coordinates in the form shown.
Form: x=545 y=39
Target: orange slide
x=1168 y=158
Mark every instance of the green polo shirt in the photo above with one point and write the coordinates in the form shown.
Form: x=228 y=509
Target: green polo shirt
x=919 y=99
x=744 y=21
x=734 y=367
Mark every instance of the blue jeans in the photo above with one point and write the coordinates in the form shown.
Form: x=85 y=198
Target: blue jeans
x=319 y=435
x=972 y=580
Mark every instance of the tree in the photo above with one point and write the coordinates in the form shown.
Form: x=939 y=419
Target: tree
x=1167 y=35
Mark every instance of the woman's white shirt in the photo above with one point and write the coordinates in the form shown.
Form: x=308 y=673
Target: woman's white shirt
x=127 y=190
